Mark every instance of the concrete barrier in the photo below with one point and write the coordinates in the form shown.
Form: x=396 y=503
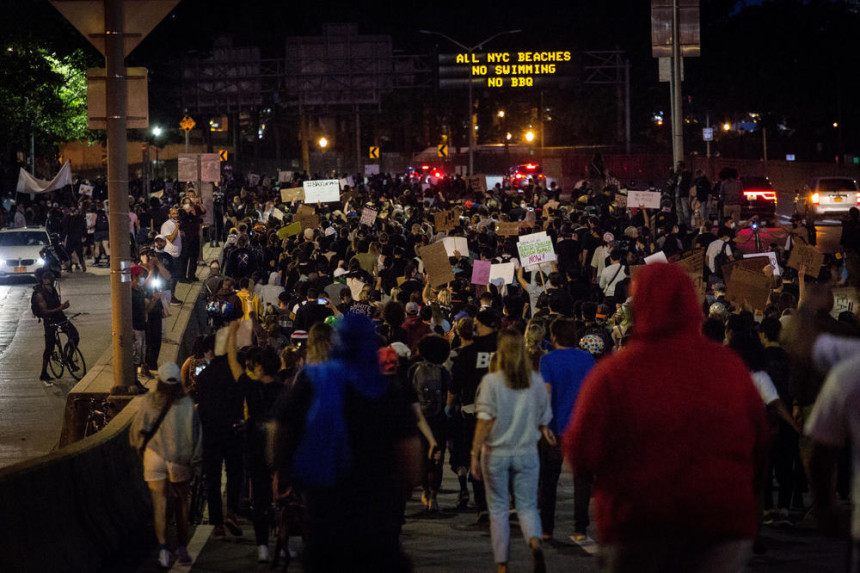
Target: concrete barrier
x=72 y=509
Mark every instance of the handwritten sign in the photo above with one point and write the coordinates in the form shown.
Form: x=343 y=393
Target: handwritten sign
x=477 y=182
x=290 y=230
x=445 y=220
x=285 y=176
x=647 y=199
x=456 y=244
x=481 y=272
x=620 y=201
x=535 y=250
x=766 y=259
x=503 y=271
x=508 y=229
x=292 y=194
x=322 y=191
x=87 y=190
x=746 y=285
x=804 y=255
x=436 y=263
x=845 y=299
x=693 y=263
x=278 y=214
x=368 y=216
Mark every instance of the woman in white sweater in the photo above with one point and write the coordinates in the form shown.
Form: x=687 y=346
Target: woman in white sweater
x=167 y=429
x=513 y=411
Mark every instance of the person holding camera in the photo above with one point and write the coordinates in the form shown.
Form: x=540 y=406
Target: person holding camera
x=156 y=277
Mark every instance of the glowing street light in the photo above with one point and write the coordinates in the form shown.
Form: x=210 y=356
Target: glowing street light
x=509 y=136
x=727 y=126
x=501 y=113
x=323 y=142
x=156 y=131
x=530 y=136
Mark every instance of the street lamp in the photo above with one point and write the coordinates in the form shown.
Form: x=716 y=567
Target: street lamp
x=530 y=136
x=156 y=133
x=469 y=50
x=323 y=143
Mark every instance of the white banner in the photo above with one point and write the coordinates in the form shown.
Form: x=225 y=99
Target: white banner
x=322 y=191
x=29 y=184
x=647 y=199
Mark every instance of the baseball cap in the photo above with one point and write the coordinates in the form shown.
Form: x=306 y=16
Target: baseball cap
x=169 y=373
x=411 y=308
x=608 y=237
x=162 y=237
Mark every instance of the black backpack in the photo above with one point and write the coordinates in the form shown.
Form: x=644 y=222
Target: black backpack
x=34 y=308
x=722 y=259
x=427 y=380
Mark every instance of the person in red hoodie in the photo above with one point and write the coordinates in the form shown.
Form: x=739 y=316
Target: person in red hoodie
x=673 y=432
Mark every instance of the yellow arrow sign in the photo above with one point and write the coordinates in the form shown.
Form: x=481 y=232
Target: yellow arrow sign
x=442 y=150
x=222 y=153
x=374 y=152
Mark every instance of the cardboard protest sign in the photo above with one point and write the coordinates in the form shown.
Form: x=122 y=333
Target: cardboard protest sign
x=311 y=221
x=647 y=199
x=746 y=285
x=322 y=191
x=277 y=214
x=802 y=255
x=368 y=216
x=290 y=230
x=752 y=265
x=620 y=201
x=292 y=194
x=508 y=229
x=477 y=182
x=481 y=272
x=534 y=250
x=306 y=210
x=445 y=220
x=770 y=260
x=456 y=244
x=436 y=264
x=504 y=271
x=693 y=263
x=658 y=257
x=845 y=299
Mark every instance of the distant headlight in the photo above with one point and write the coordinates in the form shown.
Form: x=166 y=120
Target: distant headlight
x=40 y=262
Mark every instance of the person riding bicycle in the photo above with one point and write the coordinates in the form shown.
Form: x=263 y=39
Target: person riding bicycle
x=47 y=306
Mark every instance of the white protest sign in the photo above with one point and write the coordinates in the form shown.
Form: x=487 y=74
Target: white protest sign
x=503 y=271
x=647 y=199
x=371 y=169
x=285 y=176
x=344 y=182
x=774 y=265
x=322 y=191
x=534 y=250
x=658 y=257
x=456 y=244
x=87 y=190
x=277 y=214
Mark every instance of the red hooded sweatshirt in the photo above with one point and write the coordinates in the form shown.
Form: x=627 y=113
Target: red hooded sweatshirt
x=671 y=427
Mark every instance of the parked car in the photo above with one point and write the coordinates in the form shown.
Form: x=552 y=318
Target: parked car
x=832 y=195
x=758 y=199
x=21 y=250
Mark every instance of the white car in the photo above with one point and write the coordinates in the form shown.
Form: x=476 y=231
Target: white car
x=20 y=250
x=830 y=195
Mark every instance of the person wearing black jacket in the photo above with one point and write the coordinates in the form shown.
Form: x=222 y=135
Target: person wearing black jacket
x=74 y=235
x=469 y=366
x=220 y=405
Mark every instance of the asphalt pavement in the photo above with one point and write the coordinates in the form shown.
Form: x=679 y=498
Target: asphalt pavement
x=452 y=541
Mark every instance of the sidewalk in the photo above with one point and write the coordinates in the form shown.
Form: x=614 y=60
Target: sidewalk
x=451 y=541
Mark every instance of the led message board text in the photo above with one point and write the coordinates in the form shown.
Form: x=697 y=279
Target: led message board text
x=505 y=69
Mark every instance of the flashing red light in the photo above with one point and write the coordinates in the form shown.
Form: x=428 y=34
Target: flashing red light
x=531 y=166
x=425 y=167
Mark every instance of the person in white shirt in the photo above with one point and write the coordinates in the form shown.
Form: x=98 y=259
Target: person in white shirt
x=717 y=246
x=170 y=230
x=612 y=275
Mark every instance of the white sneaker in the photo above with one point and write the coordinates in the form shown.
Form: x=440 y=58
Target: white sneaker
x=164 y=558
x=262 y=554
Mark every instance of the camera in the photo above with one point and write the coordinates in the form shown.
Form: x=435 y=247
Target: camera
x=322 y=301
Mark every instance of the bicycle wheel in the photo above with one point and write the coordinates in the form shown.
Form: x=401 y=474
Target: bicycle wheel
x=56 y=364
x=75 y=361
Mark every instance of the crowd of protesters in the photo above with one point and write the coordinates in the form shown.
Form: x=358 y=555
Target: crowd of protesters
x=346 y=375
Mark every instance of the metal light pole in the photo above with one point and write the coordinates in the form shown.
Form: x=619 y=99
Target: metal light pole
x=677 y=115
x=120 y=260
x=470 y=50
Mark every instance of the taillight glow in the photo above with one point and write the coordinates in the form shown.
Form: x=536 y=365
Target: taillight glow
x=816 y=198
x=531 y=166
x=764 y=195
x=519 y=175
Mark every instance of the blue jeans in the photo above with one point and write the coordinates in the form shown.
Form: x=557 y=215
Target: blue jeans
x=523 y=470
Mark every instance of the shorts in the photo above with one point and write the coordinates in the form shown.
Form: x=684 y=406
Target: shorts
x=156 y=468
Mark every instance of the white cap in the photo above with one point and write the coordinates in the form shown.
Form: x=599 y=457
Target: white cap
x=169 y=373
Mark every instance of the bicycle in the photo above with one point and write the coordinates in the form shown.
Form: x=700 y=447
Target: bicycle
x=66 y=354
x=97 y=415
